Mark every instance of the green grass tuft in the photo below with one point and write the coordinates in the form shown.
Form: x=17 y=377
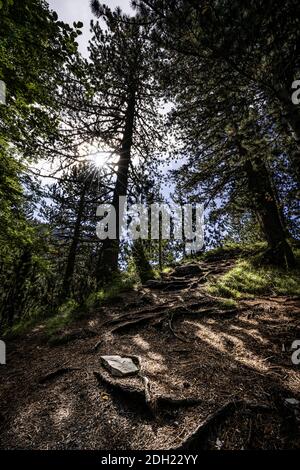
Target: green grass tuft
x=67 y=313
x=121 y=283
x=234 y=250
x=227 y=304
x=247 y=279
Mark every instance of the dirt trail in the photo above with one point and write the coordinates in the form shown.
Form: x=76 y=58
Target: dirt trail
x=218 y=378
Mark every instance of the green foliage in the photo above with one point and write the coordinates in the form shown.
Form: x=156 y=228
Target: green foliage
x=121 y=283
x=20 y=328
x=34 y=51
x=166 y=270
x=157 y=273
x=227 y=304
x=24 y=267
x=66 y=314
x=142 y=264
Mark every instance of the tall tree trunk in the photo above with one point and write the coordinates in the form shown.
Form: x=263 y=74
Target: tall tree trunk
x=292 y=115
x=266 y=209
x=142 y=264
x=108 y=260
x=69 y=272
x=160 y=249
x=264 y=204
x=15 y=302
x=278 y=202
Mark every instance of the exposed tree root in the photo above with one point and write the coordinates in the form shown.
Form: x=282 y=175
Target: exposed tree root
x=97 y=345
x=178 y=402
x=132 y=318
x=143 y=397
x=134 y=321
x=170 y=284
x=191 y=442
x=158 y=308
x=169 y=312
x=56 y=373
x=174 y=286
x=133 y=314
x=147 y=389
x=122 y=388
x=171 y=316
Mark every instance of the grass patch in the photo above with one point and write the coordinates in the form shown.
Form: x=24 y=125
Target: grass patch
x=227 y=304
x=67 y=313
x=108 y=294
x=71 y=310
x=20 y=328
x=234 y=250
x=157 y=274
x=247 y=280
x=167 y=270
x=25 y=323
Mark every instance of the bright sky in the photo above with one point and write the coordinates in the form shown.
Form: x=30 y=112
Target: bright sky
x=80 y=10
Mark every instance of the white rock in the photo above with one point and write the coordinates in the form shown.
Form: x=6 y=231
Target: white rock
x=292 y=401
x=119 y=366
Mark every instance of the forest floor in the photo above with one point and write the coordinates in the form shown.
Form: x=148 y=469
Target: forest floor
x=214 y=375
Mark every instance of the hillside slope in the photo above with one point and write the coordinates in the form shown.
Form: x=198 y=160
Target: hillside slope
x=218 y=372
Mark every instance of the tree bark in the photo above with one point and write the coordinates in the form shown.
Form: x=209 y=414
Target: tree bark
x=292 y=116
x=108 y=260
x=142 y=264
x=15 y=302
x=264 y=204
x=160 y=245
x=267 y=211
x=69 y=272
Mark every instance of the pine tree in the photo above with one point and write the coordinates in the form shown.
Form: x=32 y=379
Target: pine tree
x=122 y=111
x=214 y=89
x=255 y=42
x=71 y=215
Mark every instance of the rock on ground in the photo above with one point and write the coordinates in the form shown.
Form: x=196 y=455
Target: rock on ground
x=191 y=269
x=119 y=366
